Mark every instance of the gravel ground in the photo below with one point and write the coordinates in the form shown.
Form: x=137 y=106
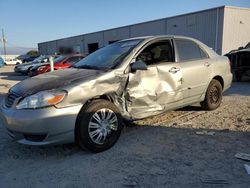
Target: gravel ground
x=162 y=151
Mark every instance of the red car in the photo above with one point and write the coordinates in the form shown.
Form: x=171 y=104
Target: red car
x=62 y=62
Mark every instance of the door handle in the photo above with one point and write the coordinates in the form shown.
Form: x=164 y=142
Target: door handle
x=174 y=70
x=207 y=64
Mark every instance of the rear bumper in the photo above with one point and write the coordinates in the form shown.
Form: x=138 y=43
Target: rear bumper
x=41 y=126
x=227 y=81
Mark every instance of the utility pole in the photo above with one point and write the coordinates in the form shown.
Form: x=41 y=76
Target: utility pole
x=4 y=44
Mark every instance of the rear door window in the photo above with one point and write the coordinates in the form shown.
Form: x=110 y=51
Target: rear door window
x=189 y=50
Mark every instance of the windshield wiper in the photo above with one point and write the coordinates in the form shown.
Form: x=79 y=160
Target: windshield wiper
x=86 y=67
x=89 y=67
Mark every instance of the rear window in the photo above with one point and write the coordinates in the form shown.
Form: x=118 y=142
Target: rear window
x=189 y=50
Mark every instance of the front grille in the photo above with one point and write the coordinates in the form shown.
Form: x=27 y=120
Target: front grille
x=10 y=99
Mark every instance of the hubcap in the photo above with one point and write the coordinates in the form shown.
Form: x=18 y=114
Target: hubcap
x=101 y=125
x=214 y=95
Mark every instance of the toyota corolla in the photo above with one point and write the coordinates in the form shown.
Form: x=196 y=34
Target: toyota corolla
x=130 y=79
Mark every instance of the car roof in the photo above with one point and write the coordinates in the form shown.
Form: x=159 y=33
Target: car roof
x=158 y=37
x=210 y=52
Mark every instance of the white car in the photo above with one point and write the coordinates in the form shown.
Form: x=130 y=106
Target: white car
x=11 y=61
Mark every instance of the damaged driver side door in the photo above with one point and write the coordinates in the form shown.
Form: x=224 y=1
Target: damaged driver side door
x=156 y=86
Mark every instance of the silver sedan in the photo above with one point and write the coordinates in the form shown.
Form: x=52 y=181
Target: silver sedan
x=130 y=79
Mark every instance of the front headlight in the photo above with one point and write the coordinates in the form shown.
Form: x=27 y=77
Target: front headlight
x=41 y=99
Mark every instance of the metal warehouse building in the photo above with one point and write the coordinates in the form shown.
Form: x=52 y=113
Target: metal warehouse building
x=222 y=28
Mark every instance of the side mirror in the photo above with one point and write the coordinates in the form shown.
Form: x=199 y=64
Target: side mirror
x=240 y=48
x=138 y=65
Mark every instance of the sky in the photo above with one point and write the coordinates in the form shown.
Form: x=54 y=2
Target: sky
x=28 y=22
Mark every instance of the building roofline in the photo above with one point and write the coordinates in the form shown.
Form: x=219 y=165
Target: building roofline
x=235 y=7
x=161 y=19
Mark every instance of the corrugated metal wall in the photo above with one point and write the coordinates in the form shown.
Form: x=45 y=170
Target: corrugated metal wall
x=148 y=28
x=116 y=34
x=236 y=28
x=202 y=26
x=206 y=26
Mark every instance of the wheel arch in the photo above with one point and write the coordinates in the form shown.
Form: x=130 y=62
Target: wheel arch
x=101 y=97
x=219 y=79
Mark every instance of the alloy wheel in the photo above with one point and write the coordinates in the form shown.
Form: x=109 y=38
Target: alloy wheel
x=101 y=125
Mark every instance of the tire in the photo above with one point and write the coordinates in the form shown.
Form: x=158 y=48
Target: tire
x=97 y=119
x=30 y=74
x=27 y=72
x=238 y=76
x=213 y=96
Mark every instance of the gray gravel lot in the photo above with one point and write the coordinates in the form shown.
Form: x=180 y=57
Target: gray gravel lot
x=162 y=151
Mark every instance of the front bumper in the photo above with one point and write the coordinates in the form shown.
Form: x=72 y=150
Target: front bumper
x=40 y=126
x=18 y=70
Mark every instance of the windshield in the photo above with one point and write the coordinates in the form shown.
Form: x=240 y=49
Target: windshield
x=248 y=45
x=107 y=57
x=59 y=59
x=39 y=58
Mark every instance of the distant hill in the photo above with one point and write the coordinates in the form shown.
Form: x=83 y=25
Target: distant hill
x=16 y=50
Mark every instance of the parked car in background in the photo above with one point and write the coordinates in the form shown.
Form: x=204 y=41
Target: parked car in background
x=25 y=68
x=130 y=79
x=27 y=58
x=1 y=62
x=62 y=62
x=12 y=61
x=240 y=62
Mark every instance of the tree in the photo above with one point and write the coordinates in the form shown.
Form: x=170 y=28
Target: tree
x=32 y=53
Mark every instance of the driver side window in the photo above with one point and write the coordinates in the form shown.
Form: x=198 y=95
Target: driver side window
x=156 y=53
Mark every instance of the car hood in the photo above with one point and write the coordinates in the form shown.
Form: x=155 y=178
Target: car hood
x=27 y=64
x=53 y=80
x=39 y=65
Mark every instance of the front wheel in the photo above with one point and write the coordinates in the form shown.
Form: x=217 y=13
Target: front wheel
x=213 y=96
x=99 y=126
x=28 y=71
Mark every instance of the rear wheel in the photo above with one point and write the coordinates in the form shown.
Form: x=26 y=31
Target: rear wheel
x=99 y=126
x=213 y=96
